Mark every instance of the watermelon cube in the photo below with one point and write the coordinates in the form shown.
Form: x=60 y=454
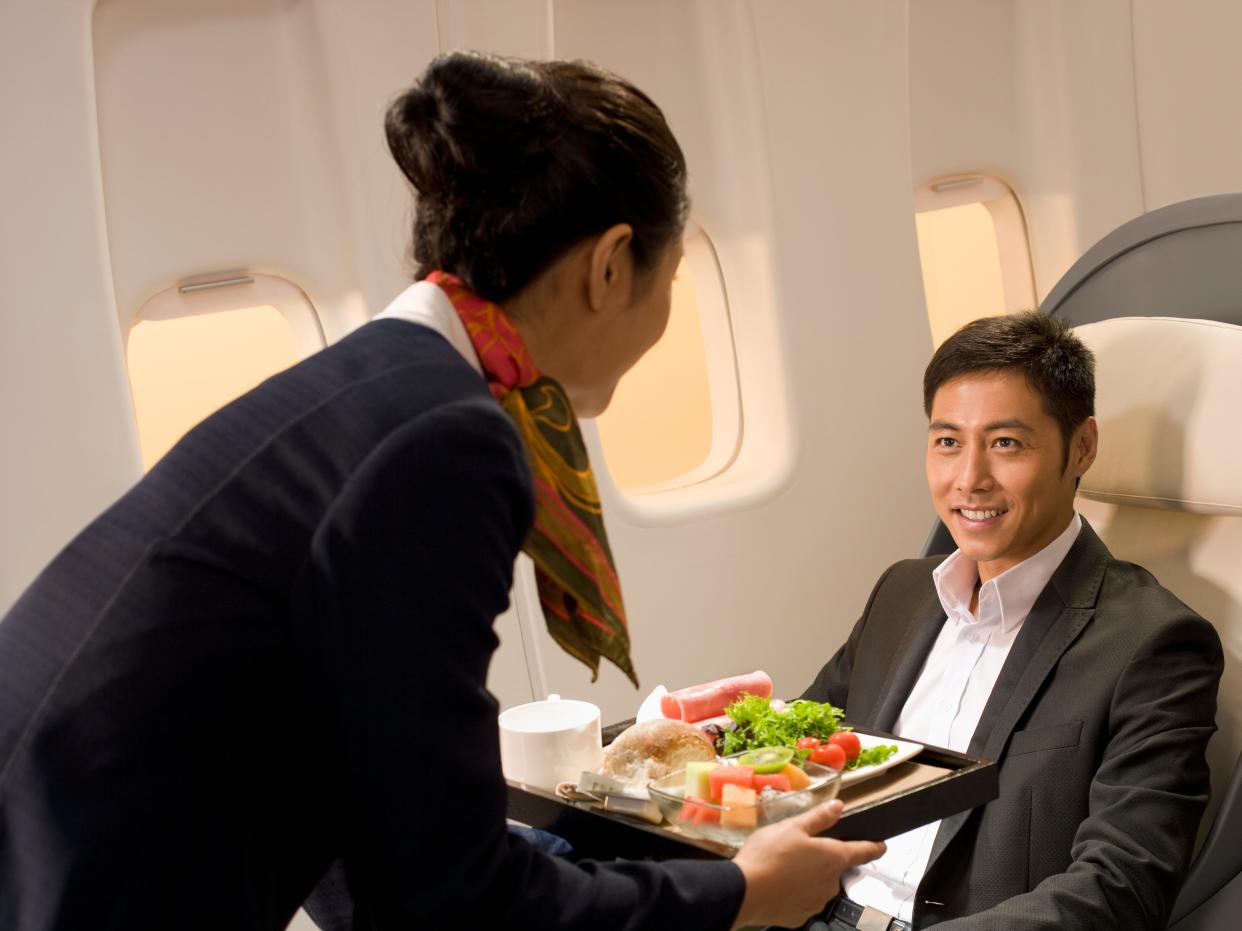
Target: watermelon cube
x=721 y=776
x=707 y=812
x=778 y=781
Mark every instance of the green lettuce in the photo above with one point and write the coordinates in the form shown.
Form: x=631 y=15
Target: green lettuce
x=872 y=757
x=757 y=725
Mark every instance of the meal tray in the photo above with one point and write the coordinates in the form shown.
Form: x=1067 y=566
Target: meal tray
x=934 y=785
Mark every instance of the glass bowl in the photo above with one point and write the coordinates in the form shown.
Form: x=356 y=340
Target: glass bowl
x=733 y=824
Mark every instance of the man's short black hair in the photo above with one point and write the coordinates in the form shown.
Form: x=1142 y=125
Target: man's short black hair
x=1058 y=367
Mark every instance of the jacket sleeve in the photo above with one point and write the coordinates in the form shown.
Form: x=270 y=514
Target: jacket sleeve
x=1130 y=855
x=407 y=573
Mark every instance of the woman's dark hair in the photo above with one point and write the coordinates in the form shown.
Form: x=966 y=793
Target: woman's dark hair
x=1058 y=367
x=516 y=161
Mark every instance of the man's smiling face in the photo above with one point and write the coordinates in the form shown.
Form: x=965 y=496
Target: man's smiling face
x=997 y=469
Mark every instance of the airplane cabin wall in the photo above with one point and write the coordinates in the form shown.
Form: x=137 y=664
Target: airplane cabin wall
x=1094 y=113
x=1041 y=95
x=70 y=444
x=1188 y=72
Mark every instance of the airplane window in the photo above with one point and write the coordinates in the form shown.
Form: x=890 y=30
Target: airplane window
x=974 y=252
x=674 y=419
x=184 y=368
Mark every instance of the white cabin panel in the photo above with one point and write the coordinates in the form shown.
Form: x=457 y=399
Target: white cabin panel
x=1188 y=72
x=1040 y=94
x=216 y=139
x=69 y=440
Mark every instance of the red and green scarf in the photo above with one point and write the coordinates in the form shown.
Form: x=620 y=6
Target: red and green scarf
x=574 y=569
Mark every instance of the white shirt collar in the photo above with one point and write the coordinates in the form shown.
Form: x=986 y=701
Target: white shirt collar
x=1014 y=590
x=426 y=304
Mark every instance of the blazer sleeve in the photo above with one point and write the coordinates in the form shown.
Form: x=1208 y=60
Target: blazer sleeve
x=407 y=573
x=1130 y=855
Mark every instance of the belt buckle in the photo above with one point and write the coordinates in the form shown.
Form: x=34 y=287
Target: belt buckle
x=872 y=919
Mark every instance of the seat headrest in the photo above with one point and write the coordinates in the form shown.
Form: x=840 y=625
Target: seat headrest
x=1169 y=405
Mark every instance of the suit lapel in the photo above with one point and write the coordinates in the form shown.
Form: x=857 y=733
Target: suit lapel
x=1058 y=616
x=916 y=642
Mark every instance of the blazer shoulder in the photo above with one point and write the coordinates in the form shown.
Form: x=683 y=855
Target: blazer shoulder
x=1132 y=595
x=1127 y=585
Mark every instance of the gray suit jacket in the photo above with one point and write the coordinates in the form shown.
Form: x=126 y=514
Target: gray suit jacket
x=1099 y=721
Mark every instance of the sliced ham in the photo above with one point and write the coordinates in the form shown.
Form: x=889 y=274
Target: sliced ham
x=698 y=702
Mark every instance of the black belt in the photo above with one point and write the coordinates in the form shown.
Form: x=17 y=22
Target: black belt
x=864 y=917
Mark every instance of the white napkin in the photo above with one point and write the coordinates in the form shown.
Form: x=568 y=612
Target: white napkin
x=649 y=710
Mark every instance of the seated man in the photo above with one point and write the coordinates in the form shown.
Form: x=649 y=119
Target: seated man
x=1092 y=685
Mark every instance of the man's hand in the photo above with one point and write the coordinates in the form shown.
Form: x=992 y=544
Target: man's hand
x=790 y=873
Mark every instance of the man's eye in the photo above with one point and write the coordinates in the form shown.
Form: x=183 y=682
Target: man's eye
x=946 y=442
x=1006 y=442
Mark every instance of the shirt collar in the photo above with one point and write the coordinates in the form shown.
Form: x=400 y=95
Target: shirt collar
x=1015 y=589
x=426 y=304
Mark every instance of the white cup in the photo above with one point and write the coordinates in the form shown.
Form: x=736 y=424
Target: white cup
x=548 y=742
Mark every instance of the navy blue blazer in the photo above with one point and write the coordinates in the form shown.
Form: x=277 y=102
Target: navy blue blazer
x=271 y=653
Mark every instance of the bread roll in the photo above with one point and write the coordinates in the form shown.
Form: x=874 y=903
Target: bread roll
x=654 y=749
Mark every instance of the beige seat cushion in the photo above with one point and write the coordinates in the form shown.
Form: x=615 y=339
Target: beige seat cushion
x=1169 y=403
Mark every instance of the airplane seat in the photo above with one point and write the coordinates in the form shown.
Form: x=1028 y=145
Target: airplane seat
x=1164 y=493
x=1159 y=301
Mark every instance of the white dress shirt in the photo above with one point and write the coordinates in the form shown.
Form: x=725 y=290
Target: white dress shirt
x=947 y=701
x=427 y=305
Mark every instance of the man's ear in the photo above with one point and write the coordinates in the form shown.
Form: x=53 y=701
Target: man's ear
x=1086 y=444
x=611 y=268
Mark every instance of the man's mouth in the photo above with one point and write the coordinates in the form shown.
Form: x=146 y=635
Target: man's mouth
x=982 y=514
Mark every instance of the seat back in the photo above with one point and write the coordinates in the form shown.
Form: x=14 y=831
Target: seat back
x=1179 y=261
x=1166 y=492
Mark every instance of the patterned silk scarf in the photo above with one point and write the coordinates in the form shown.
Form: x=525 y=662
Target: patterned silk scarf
x=574 y=570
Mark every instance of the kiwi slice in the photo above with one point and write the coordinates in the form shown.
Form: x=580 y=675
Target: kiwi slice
x=767 y=759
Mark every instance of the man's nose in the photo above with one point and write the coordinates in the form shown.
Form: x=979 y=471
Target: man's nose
x=975 y=473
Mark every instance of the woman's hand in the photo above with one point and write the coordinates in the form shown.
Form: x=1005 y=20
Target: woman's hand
x=790 y=873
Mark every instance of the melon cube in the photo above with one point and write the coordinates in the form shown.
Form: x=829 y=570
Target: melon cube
x=697 y=781
x=798 y=779
x=740 y=811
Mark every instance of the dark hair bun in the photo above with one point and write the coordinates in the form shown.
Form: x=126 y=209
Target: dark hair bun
x=457 y=130
x=514 y=161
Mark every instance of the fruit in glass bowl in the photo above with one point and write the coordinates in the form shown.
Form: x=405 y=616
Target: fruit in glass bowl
x=729 y=801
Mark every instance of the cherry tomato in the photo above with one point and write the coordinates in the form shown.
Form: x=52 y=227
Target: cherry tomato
x=808 y=743
x=829 y=755
x=847 y=741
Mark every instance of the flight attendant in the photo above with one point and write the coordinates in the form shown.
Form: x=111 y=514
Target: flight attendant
x=271 y=653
